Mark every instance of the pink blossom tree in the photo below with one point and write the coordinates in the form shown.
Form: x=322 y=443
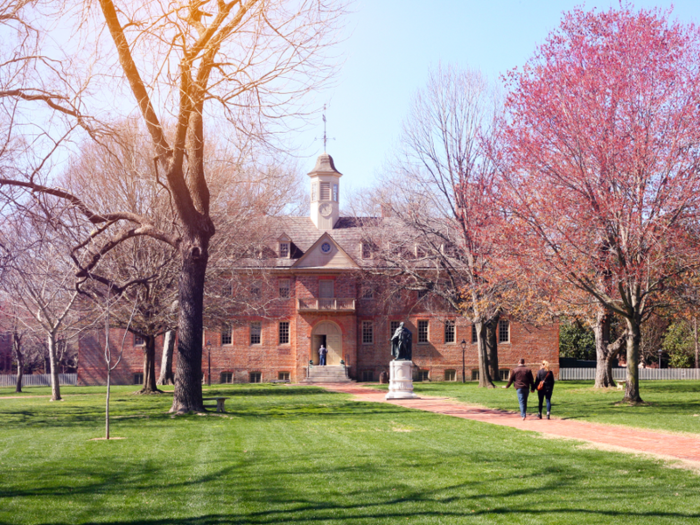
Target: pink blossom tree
x=601 y=157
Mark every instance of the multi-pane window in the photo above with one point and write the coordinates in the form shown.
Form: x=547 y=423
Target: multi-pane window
x=285 y=285
x=335 y=192
x=504 y=374
x=284 y=332
x=422 y=331
x=284 y=249
x=367 y=332
x=366 y=250
x=255 y=377
x=283 y=376
x=474 y=337
x=423 y=375
x=325 y=191
x=393 y=326
x=255 y=333
x=255 y=289
x=449 y=331
x=450 y=375
x=326 y=288
x=138 y=340
x=138 y=379
x=367 y=291
x=226 y=335
x=368 y=375
x=503 y=331
x=226 y=377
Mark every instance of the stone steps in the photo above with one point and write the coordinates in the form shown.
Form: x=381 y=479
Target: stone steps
x=327 y=374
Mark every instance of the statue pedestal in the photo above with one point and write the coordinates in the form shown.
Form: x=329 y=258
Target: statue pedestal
x=400 y=381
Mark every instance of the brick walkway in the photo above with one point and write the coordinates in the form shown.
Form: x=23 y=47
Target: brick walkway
x=661 y=444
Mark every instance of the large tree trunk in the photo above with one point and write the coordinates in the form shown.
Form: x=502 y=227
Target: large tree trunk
x=166 y=361
x=604 y=357
x=55 y=387
x=188 y=374
x=485 y=380
x=149 y=367
x=492 y=347
x=634 y=337
x=17 y=345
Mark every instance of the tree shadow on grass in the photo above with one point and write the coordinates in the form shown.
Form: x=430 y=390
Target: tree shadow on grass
x=262 y=490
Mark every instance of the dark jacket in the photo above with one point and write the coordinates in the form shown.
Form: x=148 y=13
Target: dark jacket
x=521 y=376
x=548 y=378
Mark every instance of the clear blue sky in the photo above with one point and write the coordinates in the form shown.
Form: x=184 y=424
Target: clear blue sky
x=392 y=44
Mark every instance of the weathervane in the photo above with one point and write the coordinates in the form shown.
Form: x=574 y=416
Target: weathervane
x=325 y=135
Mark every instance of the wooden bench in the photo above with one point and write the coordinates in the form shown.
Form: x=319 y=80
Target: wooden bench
x=219 y=403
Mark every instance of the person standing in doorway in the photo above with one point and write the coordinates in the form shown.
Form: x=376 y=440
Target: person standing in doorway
x=322 y=352
x=521 y=376
x=545 y=385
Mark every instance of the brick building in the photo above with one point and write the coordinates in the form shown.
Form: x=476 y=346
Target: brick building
x=312 y=283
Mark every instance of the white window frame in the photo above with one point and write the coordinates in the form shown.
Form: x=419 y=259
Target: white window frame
x=255 y=326
x=367 y=333
x=226 y=330
x=280 y=333
x=281 y=287
x=427 y=331
x=451 y=323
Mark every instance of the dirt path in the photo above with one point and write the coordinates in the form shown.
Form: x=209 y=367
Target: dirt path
x=660 y=444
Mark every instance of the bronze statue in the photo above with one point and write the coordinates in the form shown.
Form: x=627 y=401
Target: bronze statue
x=401 y=344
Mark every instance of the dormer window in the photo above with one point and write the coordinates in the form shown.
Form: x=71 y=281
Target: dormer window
x=325 y=191
x=284 y=250
x=366 y=250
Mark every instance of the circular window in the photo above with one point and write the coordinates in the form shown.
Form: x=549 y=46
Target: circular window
x=326 y=247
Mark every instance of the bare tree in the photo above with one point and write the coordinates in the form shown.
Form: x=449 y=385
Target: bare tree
x=38 y=281
x=439 y=193
x=236 y=66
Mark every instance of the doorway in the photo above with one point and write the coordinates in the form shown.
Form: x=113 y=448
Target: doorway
x=328 y=334
x=316 y=342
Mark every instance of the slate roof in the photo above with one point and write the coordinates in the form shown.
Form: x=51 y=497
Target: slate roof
x=302 y=232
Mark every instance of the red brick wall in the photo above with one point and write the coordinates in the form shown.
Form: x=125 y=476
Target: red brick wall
x=269 y=357
x=92 y=369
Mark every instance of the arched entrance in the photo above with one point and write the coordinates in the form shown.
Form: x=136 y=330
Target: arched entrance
x=327 y=333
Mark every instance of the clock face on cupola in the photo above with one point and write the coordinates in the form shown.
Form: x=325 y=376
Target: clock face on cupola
x=325 y=192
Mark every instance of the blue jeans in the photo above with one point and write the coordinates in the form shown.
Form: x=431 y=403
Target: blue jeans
x=522 y=399
x=322 y=360
x=541 y=394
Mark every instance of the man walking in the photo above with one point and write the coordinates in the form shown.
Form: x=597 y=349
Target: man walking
x=524 y=384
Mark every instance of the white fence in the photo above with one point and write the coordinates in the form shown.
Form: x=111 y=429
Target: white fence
x=38 y=380
x=582 y=374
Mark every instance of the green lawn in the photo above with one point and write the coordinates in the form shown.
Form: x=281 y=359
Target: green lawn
x=301 y=455
x=672 y=405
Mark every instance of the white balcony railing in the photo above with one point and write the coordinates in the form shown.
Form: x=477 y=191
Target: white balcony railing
x=334 y=304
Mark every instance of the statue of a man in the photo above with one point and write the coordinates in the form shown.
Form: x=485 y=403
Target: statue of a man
x=401 y=344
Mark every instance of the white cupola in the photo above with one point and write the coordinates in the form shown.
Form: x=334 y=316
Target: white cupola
x=325 y=192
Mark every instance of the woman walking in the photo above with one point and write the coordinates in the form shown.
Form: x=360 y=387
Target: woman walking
x=545 y=385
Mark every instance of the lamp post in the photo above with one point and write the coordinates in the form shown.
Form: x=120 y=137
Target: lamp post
x=464 y=367
x=209 y=363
